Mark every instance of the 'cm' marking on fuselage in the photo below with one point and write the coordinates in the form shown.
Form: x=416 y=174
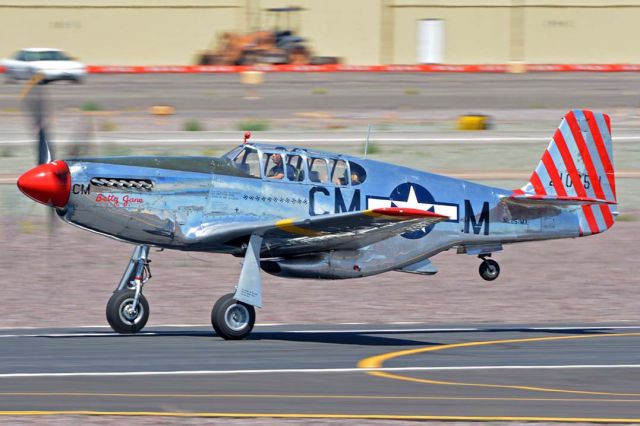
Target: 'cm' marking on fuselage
x=339 y=202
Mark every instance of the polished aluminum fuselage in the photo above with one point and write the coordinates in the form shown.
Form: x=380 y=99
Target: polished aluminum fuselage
x=206 y=204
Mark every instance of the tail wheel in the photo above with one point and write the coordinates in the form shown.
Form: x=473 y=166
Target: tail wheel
x=123 y=317
x=231 y=319
x=489 y=269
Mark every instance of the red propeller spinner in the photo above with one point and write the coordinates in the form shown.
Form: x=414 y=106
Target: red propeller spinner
x=48 y=183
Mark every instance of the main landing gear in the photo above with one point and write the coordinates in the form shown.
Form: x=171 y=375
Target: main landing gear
x=232 y=319
x=233 y=315
x=489 y=268
x=128 y=309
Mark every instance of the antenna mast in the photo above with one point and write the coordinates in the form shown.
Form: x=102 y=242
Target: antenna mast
x=366 y=142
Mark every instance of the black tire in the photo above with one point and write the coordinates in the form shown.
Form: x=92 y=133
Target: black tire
x=232 y=320
x=489 y=269
x=117 y=317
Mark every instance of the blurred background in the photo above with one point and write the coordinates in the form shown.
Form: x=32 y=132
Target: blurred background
x=489 y=126
x=361 y=32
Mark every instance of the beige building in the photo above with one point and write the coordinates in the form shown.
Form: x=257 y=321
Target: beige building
x=171 y=32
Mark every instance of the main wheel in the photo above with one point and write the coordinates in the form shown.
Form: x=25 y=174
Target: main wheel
x=122 y=316
x=489 y=269
x=231 y=319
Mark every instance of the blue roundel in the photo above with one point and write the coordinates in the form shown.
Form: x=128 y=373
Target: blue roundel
x=413 y=193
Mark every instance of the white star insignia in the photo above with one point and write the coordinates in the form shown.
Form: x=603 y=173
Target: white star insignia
x=413 y=203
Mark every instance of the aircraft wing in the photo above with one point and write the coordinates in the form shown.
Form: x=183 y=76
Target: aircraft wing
x=344 y=231
x=350 y=230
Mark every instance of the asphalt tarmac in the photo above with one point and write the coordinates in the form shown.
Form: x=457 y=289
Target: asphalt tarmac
x=413 y=371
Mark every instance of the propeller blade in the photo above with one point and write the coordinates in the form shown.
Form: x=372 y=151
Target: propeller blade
x=44 y=152
x=34 y=96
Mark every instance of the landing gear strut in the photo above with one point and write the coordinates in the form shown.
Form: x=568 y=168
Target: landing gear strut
x=128 y=309
x=234 y=315
x=489 y=269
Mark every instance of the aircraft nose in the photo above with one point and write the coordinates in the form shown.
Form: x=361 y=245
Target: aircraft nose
x=48 y=183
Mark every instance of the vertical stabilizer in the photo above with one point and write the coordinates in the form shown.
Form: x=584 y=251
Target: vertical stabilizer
x=579 y=163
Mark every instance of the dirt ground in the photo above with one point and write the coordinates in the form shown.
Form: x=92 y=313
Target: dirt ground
x=65 y=277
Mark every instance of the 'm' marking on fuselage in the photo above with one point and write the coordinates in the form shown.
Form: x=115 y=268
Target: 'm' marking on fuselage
x=470 y=221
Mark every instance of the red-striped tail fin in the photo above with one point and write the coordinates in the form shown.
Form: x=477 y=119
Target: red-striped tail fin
x=578 y=163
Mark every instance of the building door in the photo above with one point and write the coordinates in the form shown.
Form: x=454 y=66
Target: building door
x=430 y=46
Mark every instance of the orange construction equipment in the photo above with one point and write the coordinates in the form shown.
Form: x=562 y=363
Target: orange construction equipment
x=272 y=47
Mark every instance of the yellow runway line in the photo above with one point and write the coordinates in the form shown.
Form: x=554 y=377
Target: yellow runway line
x=378 y=361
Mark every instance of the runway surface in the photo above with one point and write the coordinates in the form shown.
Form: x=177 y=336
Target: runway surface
x=578 y=372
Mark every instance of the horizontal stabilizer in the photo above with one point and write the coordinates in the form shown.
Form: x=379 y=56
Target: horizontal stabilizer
x=566 y=201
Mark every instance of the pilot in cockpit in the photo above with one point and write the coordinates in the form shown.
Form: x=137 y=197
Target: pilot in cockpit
x=277 y=171
x=355 y=178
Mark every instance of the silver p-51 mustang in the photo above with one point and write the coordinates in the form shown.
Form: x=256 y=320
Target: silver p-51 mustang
x=301 y=213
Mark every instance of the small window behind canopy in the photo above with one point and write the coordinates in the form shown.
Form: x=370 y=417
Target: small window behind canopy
x=358 y=174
